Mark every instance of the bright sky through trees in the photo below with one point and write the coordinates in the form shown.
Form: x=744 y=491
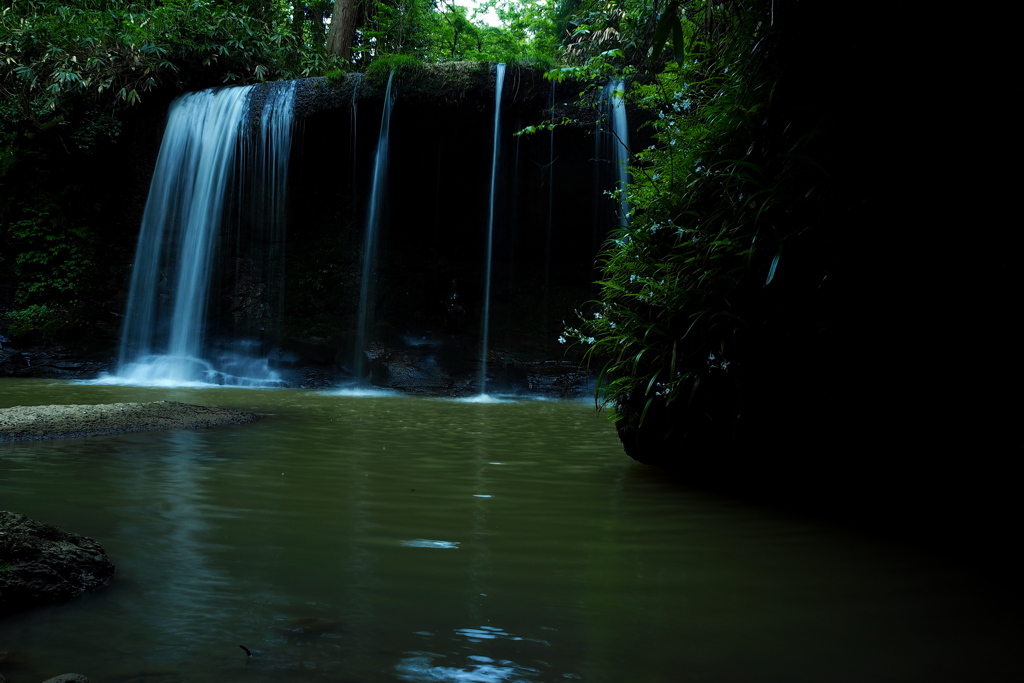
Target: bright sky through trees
x=490 y=17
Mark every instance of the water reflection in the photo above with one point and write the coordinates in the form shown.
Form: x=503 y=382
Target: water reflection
x=496 y=665
x=419 y=666
x=427 y=543
x=361 y=391
x=312 y=537
x=170 y=518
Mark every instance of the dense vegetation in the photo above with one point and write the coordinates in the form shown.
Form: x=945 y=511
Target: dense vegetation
x=73 y=73
x=722 y=269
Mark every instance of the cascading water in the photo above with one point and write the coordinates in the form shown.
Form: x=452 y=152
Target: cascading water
x=611 y=146
x=164 y=335
x=620 y=130
x=373 y=219
x=260 y=233
x=499 y=80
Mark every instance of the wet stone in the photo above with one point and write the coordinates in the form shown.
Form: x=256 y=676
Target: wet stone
x=69 y=421
x=42 y=564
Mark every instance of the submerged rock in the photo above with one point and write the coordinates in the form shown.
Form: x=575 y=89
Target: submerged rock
x=42 y=564
x=69 y=421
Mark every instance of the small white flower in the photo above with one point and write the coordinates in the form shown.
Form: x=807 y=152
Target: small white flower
x=561 y=339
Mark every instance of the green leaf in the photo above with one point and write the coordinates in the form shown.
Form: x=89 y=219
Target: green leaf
x=665 y=22
x=678 y=42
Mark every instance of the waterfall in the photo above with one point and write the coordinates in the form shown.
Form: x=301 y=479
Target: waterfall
x=164 y=335
x=620 y=144
x=499 y=80
x=611 y=147
x=373 y=217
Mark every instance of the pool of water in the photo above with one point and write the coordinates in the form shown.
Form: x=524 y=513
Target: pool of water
x=389 y=538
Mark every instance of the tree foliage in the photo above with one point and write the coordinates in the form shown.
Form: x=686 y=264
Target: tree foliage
x=68 y=71
x=721 y=201
x=72 y=70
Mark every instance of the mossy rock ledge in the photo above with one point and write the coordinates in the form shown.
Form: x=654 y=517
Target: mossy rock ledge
x=41 y=564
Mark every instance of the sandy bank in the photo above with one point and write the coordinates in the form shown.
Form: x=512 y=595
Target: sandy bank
x=63 y=422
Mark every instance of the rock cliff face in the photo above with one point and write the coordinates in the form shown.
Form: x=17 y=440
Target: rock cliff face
x=551 y=219
x=41 y=564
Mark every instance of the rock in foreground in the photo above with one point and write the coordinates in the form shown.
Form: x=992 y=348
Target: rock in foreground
x=41 y=564
x=62 y=422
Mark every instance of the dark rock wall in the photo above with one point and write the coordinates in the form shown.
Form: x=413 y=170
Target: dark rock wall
x=433 y=233
x=550 y=219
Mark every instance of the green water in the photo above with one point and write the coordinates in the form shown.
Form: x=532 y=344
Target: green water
x=406 y=539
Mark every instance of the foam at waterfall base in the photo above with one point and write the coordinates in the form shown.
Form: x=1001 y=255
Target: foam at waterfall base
x=231 y=370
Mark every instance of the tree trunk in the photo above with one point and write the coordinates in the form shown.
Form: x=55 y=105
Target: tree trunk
x=298 y=19
x=343 y=29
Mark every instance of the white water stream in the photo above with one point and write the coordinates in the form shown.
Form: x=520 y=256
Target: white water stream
x=364 y=326
x=164 y=338
x=499 y=80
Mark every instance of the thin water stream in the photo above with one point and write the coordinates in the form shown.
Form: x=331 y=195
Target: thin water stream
x=485 y=326
x=368 y=280
x=391 y=538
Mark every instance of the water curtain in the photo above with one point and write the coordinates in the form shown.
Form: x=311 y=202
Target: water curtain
x=164 y=335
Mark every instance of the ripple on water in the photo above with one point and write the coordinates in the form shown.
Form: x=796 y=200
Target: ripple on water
x=361 y=392
x=428 y=543
x=485 y=398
